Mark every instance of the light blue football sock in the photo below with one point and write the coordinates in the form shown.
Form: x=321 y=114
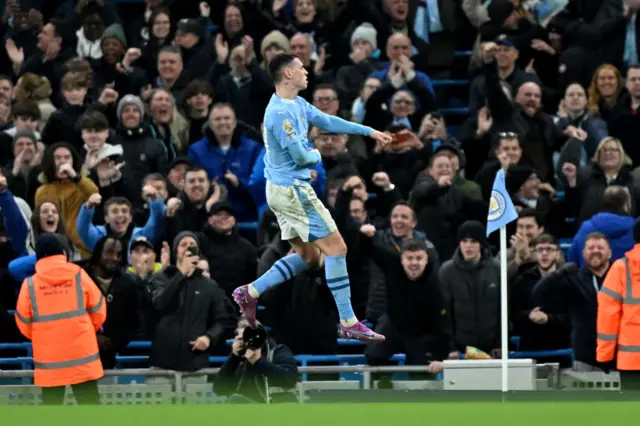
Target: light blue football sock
x=335 y=269
x=281 y=271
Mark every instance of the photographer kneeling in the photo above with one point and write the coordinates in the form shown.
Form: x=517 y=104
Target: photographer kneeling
x=256 y=363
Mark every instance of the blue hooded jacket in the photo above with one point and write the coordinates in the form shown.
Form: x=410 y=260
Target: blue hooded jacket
x=14 y=222
x=383 y=73
x=152 y=230
x=239 y=159
x=617 y=228
x=25 y=266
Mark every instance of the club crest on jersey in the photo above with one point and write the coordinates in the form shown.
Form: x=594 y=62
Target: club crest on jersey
x=287 y=126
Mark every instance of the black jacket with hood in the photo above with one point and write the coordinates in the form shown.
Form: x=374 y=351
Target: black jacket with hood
x=233 y=260
x=189 y=307
x=122 y=312
x=472 y=296
x=276 y=368
x=142 y=153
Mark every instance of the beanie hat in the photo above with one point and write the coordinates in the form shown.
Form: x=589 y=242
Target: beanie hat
x=517 y=175
x=25 y=134
x=474 y=230
x=499 y=11
x=130 y=100
x=365 y=32
x=115 y=31
x=178 y=238
x=48 y=245
x=453 y=146
x=277 y=38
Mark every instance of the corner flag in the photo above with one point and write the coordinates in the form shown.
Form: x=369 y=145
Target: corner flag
x=501 y=209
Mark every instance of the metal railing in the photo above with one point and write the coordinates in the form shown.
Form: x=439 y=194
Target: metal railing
x=181 y=389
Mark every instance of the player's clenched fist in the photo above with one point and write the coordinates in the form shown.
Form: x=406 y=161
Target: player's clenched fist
x=381 y=137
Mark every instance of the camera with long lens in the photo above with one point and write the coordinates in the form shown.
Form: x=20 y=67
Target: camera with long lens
x=253 y=338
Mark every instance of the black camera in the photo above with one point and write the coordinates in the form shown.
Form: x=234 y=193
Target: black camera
x=254 y=338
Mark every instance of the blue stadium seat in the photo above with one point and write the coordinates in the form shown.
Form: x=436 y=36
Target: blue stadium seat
x=248 y=226
x=565 y=245
x=450 y=82
x=454 y=111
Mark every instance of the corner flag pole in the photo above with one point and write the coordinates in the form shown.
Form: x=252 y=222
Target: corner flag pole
x=504 y=315
x=501 y=213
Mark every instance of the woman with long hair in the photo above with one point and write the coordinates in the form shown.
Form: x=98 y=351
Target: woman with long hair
x=64 y=181
x=610 y=165
x=159 y=32
x=604 y=90
x=46 y=219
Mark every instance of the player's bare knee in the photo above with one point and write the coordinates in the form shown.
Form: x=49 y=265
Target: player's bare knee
x=306 y=251
x=334 y=246
x=310 y=257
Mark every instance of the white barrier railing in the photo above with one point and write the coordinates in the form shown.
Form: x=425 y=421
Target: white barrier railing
x=180 y=389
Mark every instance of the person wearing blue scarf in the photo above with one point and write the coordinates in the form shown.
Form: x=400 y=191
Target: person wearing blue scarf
x=631 y=45
x=427 y=19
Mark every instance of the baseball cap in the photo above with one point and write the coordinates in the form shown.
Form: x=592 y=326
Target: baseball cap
x=505 y=40
x=220 y=206
x=187 y=25
x=180 y=160
x=141 y=240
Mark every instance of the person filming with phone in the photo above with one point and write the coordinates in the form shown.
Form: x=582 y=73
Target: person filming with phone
x=191 y=310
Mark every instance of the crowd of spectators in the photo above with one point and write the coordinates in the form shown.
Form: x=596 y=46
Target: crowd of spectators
x=133 y=130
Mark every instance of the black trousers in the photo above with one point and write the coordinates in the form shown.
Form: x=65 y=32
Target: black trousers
x=86 y=394
x=416 y=348
x=630 y=380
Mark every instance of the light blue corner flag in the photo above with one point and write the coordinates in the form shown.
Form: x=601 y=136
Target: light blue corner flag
x=501 y=209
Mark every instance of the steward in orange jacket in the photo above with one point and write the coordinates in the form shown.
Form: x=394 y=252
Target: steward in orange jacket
x=619 y=317
x=60 y=309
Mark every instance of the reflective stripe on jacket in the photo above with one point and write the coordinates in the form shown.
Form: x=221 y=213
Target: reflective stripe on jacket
x=60 y=309
x=618 y=323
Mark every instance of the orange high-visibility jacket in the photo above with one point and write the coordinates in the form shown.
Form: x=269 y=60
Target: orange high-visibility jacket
x=60 y=309
x=619 y=313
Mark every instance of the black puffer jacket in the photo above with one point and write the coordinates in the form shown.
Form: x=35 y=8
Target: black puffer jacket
x=472 y=295
x=189 y=307
x=123 y=314
x=536 y=337
x=441 y=210
x=414 y=307
x=572 y=289
x=233 y=260
x=61 y=125
x=586 y=197
x=377 y=302
x=142 y=153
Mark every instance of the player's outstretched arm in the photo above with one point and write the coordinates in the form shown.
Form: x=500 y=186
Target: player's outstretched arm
x=334 y=124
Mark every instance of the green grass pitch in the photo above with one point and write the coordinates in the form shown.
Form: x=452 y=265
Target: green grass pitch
x=383 y=414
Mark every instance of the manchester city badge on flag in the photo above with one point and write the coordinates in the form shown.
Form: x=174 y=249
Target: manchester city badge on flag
x=501 y=208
